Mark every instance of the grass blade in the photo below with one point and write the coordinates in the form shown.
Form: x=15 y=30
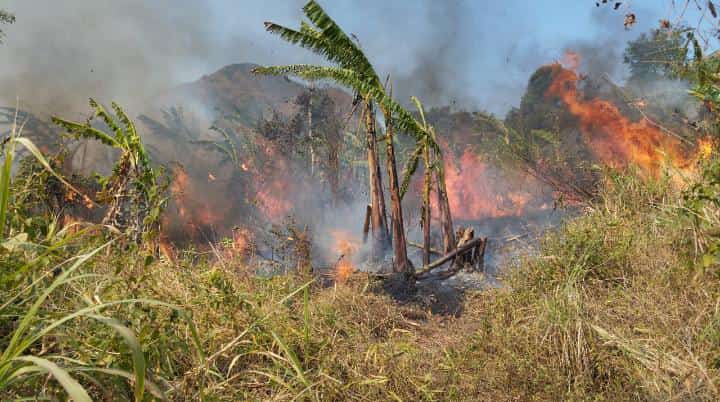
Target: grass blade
x=152 y=388
x=136 y=349
x=71 y=386
x=12 y=349
x=5 y=175
x=292 y=357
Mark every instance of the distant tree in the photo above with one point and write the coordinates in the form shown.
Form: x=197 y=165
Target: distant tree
x=6 y=17
x=319 y=119
x=655 y=55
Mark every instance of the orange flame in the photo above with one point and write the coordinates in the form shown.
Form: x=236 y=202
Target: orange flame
x=571 y=60
x=195 y=210
x=270 y=201
x=167 y=250
x=178 y=189
x=347 y=245
x=476 y=192
x=242 y=243
x=612 y=137
x=344 y=269
x=272 y=183
x=705 y=148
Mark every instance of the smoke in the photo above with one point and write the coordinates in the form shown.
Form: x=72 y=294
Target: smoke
x=476 y=55
x=58 y=55
x=673 y=94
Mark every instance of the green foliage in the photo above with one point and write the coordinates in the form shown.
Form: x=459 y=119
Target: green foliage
x=226 y=148
x=353 y=69
x=701 y=201
x=22 y=364
x=426 y=145
x=9 y=151
x=134 y=192
x=658 y=54
x=328 y=40
x=5 y=18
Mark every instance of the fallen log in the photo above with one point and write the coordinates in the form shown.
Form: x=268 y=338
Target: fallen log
x=467 y=247
x=478 y=256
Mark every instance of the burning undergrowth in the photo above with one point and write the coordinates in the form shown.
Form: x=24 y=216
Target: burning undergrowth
x=276 y=174
x=478 y=190
x=617 y=140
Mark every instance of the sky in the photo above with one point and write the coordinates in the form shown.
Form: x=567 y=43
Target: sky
x=474 y=54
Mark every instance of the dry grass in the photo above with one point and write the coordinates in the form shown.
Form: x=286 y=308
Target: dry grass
x=614 y=308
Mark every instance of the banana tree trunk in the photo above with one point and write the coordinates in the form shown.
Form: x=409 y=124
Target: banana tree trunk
x=427 y=214
x=377 y=200
x=446 y=221
x=311 y=138
x=334 y=172
x=398 y=227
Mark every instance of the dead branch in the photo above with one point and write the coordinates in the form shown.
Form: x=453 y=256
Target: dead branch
x=421 y=247
x=468 y=247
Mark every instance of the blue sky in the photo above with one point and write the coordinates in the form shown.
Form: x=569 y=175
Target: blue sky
x=477 y=53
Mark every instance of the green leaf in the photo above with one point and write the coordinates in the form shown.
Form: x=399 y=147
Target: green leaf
x=135 y=348
x=30 y=146
x=71 y=386
x=294 y=361
x=708 y=260
x=410 y=169
x=153 y=388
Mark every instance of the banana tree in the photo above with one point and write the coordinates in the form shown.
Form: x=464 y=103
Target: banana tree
x=133 y=192
x=428 y=149
x=353 y=70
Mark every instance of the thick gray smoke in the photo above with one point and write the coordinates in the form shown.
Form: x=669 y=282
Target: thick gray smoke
x=60 y=53
x=476 y=54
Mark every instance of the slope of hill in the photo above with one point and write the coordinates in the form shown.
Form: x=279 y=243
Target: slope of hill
x=235 y=89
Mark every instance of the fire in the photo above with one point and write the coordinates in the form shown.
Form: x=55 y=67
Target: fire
x=571 y=60
x=178 y=189
x=194 y=208
x=705 y=148
x=344 y=269
x=167 y=250
x=71 y=223
x=613 y=138
x=271 y=202
x=346 y=245
x=476 y=191
x=271 y=175
x=242 y=243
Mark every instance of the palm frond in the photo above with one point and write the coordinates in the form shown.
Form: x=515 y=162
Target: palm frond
x=409 y=170
x=85 y=131
x=109 y=121
x=420 y=109
x=331 y=31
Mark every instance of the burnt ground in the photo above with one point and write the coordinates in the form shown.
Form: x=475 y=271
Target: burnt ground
x=509 y=240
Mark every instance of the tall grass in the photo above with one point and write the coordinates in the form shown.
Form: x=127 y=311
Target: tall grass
x=18 y=363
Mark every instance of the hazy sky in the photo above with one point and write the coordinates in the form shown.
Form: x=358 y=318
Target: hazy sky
x=478 y=53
